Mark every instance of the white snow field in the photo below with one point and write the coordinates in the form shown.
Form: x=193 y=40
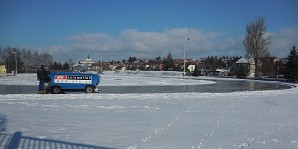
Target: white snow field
x=249 y=119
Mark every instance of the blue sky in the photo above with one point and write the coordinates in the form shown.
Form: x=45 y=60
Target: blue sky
x=117 y=29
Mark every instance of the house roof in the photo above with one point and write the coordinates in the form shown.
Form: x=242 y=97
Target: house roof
x=242 y=61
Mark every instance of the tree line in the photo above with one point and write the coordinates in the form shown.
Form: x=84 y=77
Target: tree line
x=27 y=61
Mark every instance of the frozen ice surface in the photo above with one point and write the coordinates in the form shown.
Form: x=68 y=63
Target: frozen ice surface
x=110 y=78
x=254 y=119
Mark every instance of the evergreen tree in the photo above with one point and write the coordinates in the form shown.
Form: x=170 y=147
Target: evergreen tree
x=65 y=66
x=60 y=66
x=196 y=72
x=291 y=68
x=241 y=72
x=132 y=59
x=57 y=66
x=169 y=62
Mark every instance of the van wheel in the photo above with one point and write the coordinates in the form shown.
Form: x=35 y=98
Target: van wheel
x=89 y=89
x=56 y=90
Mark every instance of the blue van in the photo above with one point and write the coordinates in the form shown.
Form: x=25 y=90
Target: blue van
x=71 y=81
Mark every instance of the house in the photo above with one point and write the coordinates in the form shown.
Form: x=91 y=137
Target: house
x=222 y=72
x=244 y=65
x=2 y=70
x=118 y=68
x=191 y=67
x=157 y=65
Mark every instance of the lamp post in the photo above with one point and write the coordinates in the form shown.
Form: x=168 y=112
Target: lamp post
x=184 y=55
x=100 y=62
x=15 y=53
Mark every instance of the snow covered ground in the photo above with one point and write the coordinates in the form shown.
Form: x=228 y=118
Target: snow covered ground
x=254 y=119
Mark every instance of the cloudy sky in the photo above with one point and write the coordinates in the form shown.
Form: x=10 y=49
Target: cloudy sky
x=117 y=29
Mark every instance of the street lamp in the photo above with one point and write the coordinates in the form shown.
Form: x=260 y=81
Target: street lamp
x=15 y=53
x=184 y=55
x=100 y=62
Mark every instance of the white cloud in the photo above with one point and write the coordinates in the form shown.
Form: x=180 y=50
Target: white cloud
x=170 y=40
x=132 y=42
x=90 y=37
x=147 y=42
x=282 y=41
x=93 y=42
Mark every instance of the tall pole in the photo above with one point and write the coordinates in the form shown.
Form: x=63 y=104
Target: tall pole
x=183 y=57
x=184 y=54
x=16 y=62
x=100 y=62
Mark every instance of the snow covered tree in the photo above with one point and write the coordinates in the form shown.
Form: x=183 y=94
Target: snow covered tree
x=291 y=68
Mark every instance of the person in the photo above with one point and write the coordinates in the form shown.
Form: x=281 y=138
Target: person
x=42 y=76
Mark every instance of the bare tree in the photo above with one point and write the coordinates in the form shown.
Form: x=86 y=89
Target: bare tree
x=46 y=59
x=256 y=42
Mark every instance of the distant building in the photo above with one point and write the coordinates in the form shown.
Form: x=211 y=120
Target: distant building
x=247 y=65
x=88 y=61
x=2 y=70
x=191 y=68
x=83 y=66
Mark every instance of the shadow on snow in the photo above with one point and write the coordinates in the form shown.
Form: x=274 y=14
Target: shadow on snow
x=15 y=141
